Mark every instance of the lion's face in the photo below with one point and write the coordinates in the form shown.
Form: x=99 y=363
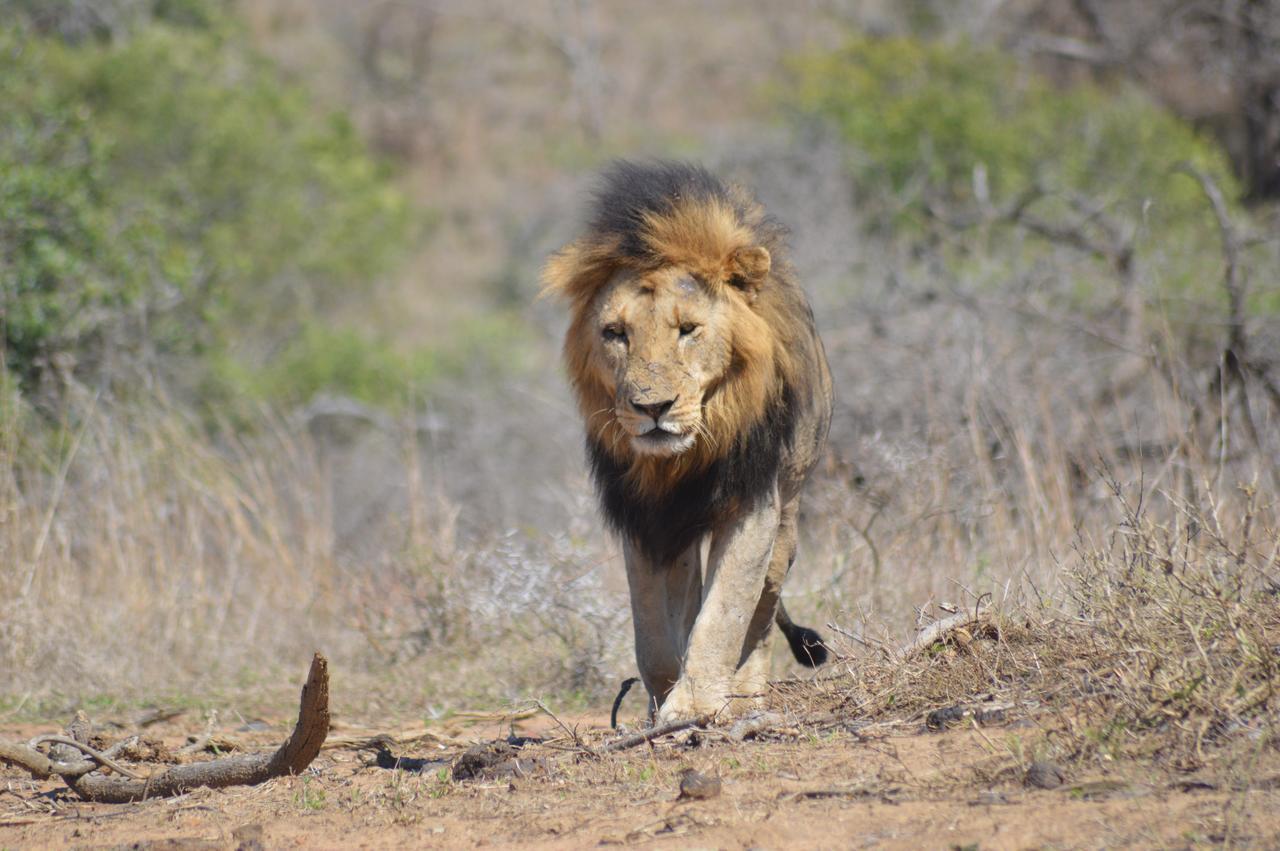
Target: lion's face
x=662 y=345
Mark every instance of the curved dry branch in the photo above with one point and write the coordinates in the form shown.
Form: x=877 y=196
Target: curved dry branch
x=292 y=757
x=938 y=630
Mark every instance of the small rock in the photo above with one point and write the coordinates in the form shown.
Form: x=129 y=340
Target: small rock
x=249 y=837
x=1045 y=775
x=481 y=760
x=949 y=716
x=696 y=786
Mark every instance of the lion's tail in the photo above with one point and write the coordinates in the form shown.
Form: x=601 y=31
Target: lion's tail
x=806 y=644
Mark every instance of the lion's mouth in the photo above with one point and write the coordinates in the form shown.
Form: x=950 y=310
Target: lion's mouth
x=660 y=441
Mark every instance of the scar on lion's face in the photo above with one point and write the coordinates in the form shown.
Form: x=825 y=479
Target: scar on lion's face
x=662 y=344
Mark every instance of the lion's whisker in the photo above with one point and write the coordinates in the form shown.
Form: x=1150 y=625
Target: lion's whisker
x=703 y=431
x=614 y=444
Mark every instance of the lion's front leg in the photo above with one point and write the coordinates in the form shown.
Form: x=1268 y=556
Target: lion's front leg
x=664 y=602
x=718 y=647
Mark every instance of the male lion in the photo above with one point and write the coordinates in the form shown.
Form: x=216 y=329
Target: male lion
x=706 y=398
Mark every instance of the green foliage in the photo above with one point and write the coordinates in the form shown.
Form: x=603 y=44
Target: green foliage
x=339 y=360
x=950 y=140
x=170 y=194
x=324 y=358
x=931 y=116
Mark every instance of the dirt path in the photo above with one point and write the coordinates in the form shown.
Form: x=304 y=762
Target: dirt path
x=888 y=786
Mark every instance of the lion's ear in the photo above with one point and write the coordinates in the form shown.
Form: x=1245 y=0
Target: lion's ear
x=748 y=268
x=578 y=270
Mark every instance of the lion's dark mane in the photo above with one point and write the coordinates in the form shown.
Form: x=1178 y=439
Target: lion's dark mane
x=631 y=190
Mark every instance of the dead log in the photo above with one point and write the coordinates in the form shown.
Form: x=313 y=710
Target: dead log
x=37 y=764
x=244 y=770
x=938 y=630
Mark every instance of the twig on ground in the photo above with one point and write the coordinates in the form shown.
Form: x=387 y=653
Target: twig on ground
x=403 y=737
x=98 y=756
x=572 y=734
x=655 y=733
x=870 y=644
x=202 y=741
x=754 y=724
x=476 y=715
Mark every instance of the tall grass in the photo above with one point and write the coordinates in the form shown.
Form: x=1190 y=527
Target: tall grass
x=145 y=559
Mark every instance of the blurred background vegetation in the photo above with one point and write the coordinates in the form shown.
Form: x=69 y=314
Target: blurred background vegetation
x=275 y=377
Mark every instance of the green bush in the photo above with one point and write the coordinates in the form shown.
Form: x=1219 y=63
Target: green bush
x=942 y=132
x=324 y=358
x=922 y=115
x=168 y=197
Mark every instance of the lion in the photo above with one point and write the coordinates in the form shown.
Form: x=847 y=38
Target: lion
x=706 y=398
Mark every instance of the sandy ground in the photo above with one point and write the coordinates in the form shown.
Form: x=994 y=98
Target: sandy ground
x=818 y=785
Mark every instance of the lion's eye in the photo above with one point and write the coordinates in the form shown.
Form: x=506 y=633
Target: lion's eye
x=687 y=328
x=614 y=332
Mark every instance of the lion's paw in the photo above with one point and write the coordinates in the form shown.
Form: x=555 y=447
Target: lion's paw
x=685 y=703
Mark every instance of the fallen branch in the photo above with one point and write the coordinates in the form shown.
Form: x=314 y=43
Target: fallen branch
x=35 y=763
x=103 y=759
x=753 y=725
x=938 y=630
x=245 y=770
x=403 y=737
x=655 y=733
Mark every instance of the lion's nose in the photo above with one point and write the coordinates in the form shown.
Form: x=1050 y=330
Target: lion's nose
x=655 y=410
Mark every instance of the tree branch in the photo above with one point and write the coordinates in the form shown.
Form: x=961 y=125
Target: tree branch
x=245 y=770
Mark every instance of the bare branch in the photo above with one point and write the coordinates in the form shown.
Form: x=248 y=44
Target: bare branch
x=939 y=629
x=1232 y=279
x=655 y=733
x=99 y=757
x=292 y=757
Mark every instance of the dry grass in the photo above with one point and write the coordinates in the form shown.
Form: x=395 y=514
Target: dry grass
x=146 y=560
x=1163 y=646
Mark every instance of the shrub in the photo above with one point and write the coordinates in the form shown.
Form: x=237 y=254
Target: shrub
x=339 y=360
x=922 y=114
x=169 y=195
x=323 y=357
x=951 y=137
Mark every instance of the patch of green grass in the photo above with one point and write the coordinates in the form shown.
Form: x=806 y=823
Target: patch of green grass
x=310 y=796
